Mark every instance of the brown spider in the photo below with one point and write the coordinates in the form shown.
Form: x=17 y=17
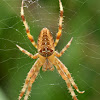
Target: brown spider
x=47 y=57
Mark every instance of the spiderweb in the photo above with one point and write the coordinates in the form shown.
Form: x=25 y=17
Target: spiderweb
x=81 y=21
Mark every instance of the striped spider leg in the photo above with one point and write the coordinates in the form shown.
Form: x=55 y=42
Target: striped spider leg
x=58 y=35
x=27 y=27
x=46 y=57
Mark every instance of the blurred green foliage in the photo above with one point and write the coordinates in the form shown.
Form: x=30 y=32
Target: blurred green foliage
x=2 y=95
x=81 y=21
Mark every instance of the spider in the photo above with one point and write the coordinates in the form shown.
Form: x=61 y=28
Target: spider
x=46 y=56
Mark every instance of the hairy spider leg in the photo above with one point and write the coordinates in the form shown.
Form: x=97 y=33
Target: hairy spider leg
x=27 y=27
x=31 y=82
x=37 y=65
x=28 y=53
x=62 y=66
x=58 y=35
x=64 y=76
x=64 y=49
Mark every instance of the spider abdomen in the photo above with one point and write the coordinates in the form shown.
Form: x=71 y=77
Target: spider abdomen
x=45 y=43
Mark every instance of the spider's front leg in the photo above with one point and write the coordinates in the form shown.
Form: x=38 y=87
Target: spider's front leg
x=30 y=79
x=30 y=83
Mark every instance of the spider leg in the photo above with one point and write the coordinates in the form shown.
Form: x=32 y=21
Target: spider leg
x=37 y=65
x=60 y=24
x=62 y=66
x=64 y=49
x=30 y=83
x=26 y=26
x=63 y=75
x=27 y=53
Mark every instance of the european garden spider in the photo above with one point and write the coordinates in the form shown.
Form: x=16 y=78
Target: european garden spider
x=47 y=57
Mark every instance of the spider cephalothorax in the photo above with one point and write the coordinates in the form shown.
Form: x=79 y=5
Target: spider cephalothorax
x=47 y=57
x=45 y=43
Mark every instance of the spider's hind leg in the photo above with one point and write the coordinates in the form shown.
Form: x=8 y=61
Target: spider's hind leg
x=60 y=24
x=26 y=26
